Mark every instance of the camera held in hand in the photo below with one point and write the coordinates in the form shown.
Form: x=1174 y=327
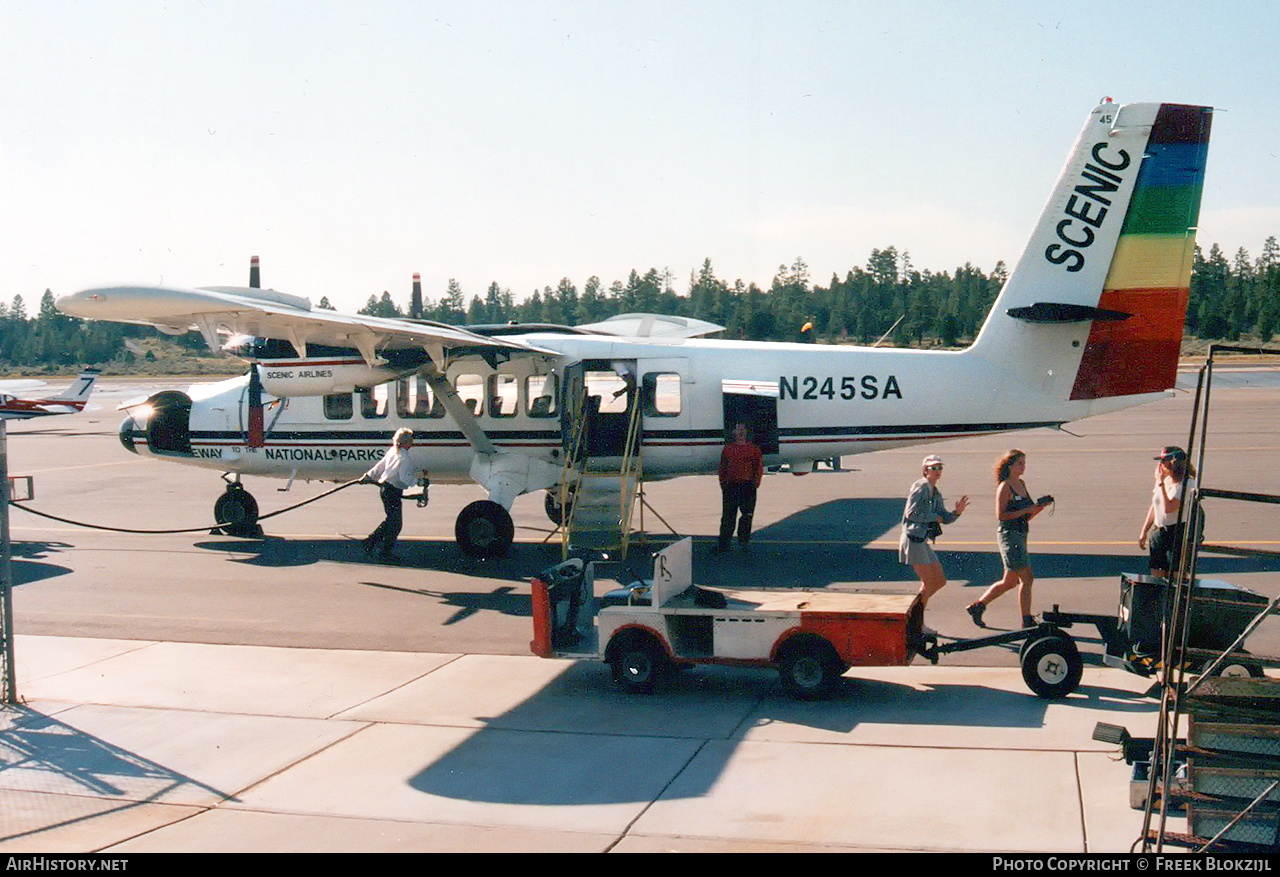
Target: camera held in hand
x=1047 y=499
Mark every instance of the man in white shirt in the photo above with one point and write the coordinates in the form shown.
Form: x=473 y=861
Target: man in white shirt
x=395 y=473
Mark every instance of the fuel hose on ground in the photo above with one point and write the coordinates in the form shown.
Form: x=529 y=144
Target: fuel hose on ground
x=21 y=504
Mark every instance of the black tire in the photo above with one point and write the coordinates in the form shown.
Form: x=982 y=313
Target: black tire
x=1040 y=633
x=236 y=512
x=1051 y=666
x=484 y=529
x=638 y=662
x=551 y=503
x=810 y=669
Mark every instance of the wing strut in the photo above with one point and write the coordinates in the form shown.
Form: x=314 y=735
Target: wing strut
x=459 y=411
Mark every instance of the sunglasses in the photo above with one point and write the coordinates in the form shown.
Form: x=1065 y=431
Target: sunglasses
x=934 y=468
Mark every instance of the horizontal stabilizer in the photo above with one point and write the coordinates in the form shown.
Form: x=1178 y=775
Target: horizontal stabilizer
x=1060 y=312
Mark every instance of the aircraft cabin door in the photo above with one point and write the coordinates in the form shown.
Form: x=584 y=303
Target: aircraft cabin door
x=600 y=396
x=612 y=395
x=754 y=403
x=572 y=409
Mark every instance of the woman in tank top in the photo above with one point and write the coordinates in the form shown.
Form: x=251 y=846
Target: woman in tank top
x=1014 y=510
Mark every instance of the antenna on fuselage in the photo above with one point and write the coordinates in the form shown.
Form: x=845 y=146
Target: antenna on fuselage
x=891 y=328
x=255 y=278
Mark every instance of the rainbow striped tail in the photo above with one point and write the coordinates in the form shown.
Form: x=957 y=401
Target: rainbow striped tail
x=1150 y=274
x=1094 y=307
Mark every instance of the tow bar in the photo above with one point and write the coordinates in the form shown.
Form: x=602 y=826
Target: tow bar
x=1051 y=662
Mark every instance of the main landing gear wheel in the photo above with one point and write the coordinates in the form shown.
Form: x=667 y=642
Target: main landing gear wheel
x=551 y=503
x=1051 y=666
x=810 y=670
x=236 y=512
x=484 y=529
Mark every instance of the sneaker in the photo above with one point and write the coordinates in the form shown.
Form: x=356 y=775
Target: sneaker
x=975 y=612
x=1029 y=621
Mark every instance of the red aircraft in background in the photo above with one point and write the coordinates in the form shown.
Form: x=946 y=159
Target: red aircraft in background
x=69 y=401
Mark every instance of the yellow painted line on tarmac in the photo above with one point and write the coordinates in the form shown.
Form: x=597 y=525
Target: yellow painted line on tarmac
x=195 y=619
x=664 y=537
x=72 y=468
x=1078 y=450
x=951 y=543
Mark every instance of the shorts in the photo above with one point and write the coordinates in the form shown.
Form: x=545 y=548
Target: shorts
x=916 y=553
x=1013 y=549
x=1165 y=547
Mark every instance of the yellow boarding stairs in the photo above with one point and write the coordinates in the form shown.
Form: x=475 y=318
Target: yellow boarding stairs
x=598 y=496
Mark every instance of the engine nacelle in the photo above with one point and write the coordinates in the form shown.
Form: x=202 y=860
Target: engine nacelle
x=307 y=377
x=324 y=369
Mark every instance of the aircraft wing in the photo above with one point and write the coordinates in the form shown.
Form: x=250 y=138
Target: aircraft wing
x=20 y=385
x=265 y=313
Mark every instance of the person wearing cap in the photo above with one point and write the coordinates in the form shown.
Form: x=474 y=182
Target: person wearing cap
x=394 y=474
x=922 y=521
x=1174 y=479
x=1014 y=510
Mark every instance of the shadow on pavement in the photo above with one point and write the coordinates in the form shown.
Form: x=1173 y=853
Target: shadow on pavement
x=628 y=748
x=32 y=742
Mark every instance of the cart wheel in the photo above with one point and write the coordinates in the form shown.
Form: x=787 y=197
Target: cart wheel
x=638 y=662
x=809 y=669
x=1236 y=668
x=1039 y=633
x=1051 y=666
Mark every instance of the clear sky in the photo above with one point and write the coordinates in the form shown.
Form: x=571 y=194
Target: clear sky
x=350 y=144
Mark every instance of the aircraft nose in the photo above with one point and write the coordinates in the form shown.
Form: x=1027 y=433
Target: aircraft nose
x=126 y=434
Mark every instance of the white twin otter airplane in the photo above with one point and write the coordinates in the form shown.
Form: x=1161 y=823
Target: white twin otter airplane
x=1090 y=321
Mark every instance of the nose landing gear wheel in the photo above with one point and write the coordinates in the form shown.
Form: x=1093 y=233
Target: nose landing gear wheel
x=236 y=511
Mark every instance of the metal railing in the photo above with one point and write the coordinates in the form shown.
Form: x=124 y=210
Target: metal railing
x=1177 y=691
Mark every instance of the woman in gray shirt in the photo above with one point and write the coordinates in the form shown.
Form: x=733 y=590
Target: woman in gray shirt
x=925 y=506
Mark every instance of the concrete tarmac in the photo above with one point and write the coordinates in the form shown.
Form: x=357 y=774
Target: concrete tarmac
x=126 y=746
x=193 y=692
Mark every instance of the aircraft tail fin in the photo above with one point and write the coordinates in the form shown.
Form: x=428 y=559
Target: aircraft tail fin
x=1095 y=306
x=80 y=390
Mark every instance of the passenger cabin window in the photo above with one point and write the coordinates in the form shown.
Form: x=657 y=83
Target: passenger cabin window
x=471 y=390
x=662 y=394
x=542 y=391
x=414 y=398
x=337 y=406
x=374 y=401
x=504 y=395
